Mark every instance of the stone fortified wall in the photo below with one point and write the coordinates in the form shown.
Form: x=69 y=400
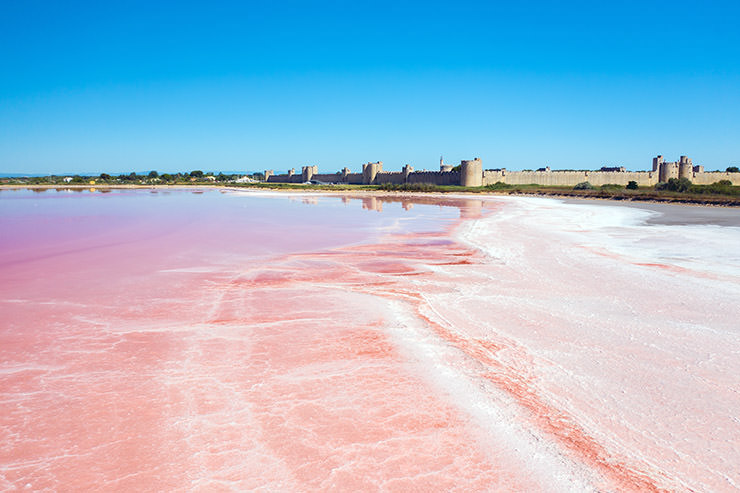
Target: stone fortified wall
x=569 y=178
x=471 y=174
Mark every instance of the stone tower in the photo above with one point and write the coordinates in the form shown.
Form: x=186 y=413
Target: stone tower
x=657 y=161
x=471 y=173
x=685 y=168
x=668 y=171
x=370 y=171
x=407 y=170
x=444 y=167
x=308 y=172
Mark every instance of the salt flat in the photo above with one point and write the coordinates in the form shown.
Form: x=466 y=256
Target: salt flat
x=302 y=342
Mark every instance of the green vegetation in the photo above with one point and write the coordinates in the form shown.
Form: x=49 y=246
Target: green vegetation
x=584 y=185
x=722 y=187
x=675 y=185
x=733 y=169
x=684 y=186
x=499 y=185
x=631 y=185
x=611 y=186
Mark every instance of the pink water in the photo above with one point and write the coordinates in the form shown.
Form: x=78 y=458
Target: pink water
x=237 y=341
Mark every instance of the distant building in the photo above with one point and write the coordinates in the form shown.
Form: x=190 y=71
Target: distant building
x=444 y=167
x=683 y=168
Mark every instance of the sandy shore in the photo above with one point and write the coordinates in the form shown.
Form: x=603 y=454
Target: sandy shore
x=675 y=214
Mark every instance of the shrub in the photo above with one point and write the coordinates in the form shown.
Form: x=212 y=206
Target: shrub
x=611 y=186
x=733 y=169
x=723 y=187
x=584 y=185
x=632 y=185
x=499 y=185
x=675 y=185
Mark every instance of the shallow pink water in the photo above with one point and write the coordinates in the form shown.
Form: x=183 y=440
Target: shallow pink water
x=227 y=342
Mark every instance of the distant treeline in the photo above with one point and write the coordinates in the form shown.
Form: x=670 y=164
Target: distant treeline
x=151 y=178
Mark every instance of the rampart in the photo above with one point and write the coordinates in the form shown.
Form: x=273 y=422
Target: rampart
x=709 y=177
x=470 y=173
x=435 y=177
x=569 y=178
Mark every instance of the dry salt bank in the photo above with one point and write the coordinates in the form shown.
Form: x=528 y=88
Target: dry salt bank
x=616 y=328
x=298 y=342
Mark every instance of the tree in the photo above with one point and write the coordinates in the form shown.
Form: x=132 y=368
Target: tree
x=153 y=174
x=166 y=177
x=733 y=169
x=104 y=176
x=196 y=173
x=632 y=185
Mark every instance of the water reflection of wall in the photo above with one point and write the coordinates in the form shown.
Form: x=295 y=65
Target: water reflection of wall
x=469 y=208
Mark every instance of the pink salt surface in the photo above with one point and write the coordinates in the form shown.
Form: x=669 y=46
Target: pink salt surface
x=236 y=341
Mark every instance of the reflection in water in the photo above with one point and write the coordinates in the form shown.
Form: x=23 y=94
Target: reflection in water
x=372 y=204
x=469 y=208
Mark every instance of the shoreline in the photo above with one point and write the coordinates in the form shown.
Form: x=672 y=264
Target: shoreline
x=693 y=200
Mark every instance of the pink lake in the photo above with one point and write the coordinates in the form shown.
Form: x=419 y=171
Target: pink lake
x=231 y=341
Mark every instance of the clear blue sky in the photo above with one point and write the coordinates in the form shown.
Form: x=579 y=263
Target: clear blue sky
x=123 y=86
